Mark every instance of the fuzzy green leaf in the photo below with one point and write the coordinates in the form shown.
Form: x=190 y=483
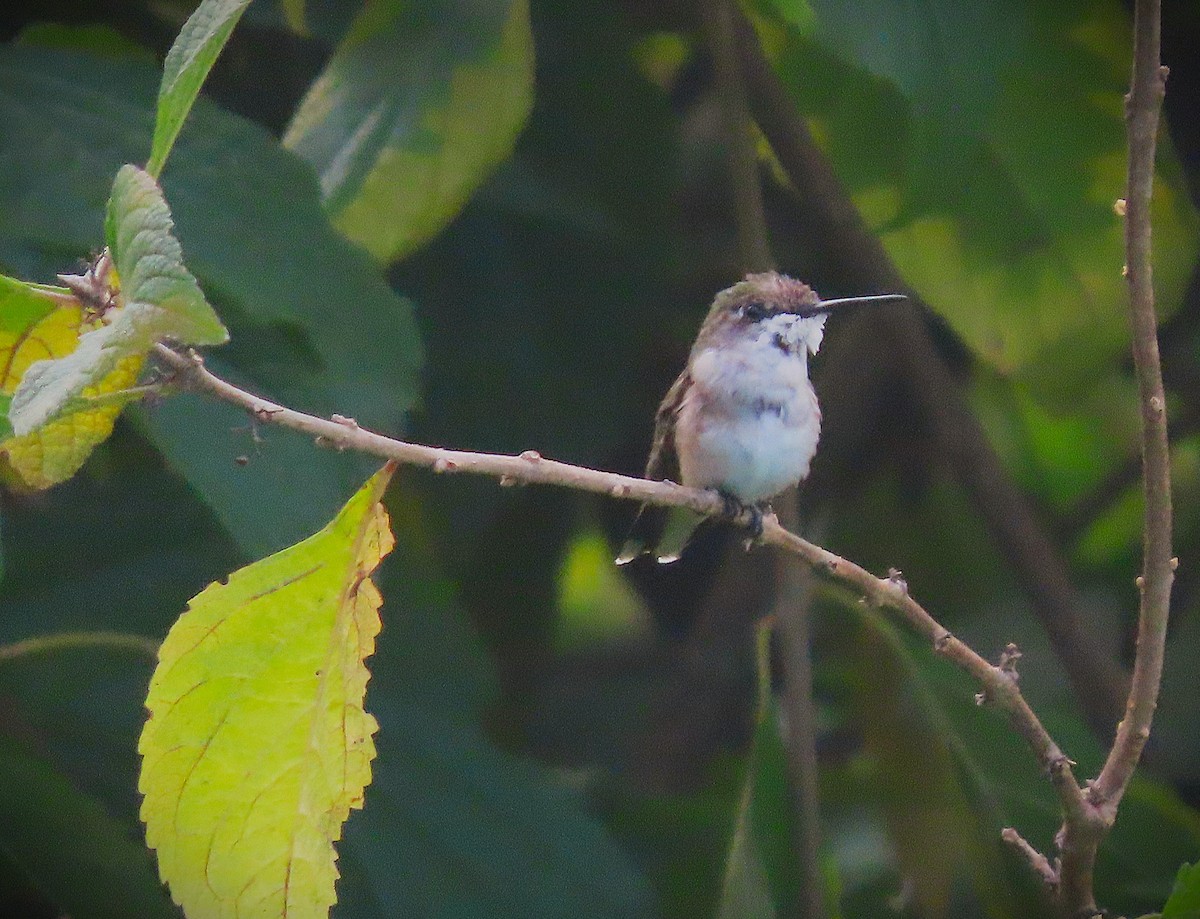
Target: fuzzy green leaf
x=159 y=299
x=313 y=323
x=994 y=196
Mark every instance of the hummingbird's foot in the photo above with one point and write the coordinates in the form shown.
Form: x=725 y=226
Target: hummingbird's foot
x=756 y=522
x=734 y=508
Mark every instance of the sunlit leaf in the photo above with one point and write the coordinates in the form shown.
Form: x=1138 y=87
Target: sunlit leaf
x=36 y=323
x=159 y=299
x=258 y=745
x=418 y=104
x=186 y=67
x=993 y=196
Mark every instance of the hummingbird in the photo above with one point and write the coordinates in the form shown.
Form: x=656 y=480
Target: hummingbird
x=742 y=418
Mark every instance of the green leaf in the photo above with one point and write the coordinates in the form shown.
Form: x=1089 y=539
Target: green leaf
x=1184 y=902
x=87 y=863
x=993 y=196
x=941 y=836
x=453 y=827
x=185 y=69
x=313 y=323
x=158 y=299
x=417 y=105
x=258 y=745
x=35 y=322
x=149 y=262
x=1003 y=785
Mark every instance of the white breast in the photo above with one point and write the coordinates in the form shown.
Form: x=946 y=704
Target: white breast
x=750 y=423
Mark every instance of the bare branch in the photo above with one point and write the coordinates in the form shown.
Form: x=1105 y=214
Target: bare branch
x=1037 y=861
x=1142 y=111
x=998 y=683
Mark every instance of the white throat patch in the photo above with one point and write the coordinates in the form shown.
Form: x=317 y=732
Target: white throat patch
x=793 y=332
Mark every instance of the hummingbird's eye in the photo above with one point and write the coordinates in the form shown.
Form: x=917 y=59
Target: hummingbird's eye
x=755 y=311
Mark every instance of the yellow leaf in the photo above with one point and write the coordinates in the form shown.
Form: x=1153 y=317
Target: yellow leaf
x=37 y=323
x=55 y=453
x=258 y=745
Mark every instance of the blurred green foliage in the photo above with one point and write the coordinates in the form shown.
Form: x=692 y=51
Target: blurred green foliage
x=548 y=746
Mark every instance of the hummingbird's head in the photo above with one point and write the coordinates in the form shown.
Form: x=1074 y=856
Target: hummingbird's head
x=775 y=308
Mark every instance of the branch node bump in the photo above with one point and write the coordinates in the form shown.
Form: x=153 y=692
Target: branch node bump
x=1008 y=659
x=1139 y=582
x=507 y=481
x=619 y=491
x=531 y=456
x=831 y=565
x=941 y=641
x=1059 y=764
x=1119 y=207
x=1175 y=563
x=343 y=420
x=322 y=441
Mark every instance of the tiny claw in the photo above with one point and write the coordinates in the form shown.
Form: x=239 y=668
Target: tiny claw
x=732 y=507
x=756 y=522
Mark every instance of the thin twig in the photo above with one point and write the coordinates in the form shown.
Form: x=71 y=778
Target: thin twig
x=1037 y=861
x=65 y=641
x=1100 y=683
x=1142 y=112
x=998 y=683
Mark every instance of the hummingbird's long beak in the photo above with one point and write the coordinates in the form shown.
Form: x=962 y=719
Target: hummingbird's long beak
x=824 y=306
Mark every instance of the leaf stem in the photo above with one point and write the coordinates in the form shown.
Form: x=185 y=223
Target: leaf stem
x=65 y=641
